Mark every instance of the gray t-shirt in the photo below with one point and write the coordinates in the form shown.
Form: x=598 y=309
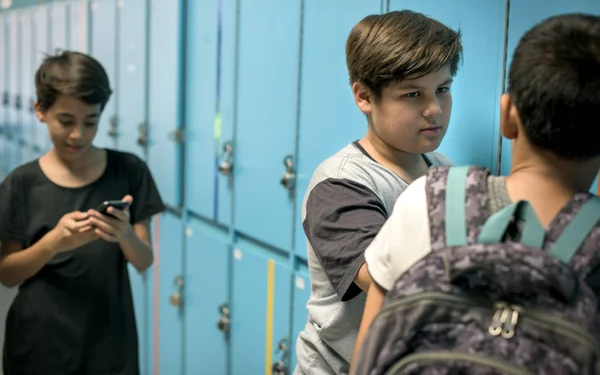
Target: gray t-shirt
x=349 y=198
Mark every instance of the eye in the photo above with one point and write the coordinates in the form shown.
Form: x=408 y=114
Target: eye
x=444 y=90
x=65 y=123
x=414 y=94
x=91 y=124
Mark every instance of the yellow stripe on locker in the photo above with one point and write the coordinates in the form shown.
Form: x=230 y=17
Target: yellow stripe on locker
x=269 y=328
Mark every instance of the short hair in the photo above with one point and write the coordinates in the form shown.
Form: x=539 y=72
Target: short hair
x=74 y=74
x=391 y=47
x=554 y=82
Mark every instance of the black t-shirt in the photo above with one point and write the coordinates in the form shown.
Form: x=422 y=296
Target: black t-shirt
x=76 y=315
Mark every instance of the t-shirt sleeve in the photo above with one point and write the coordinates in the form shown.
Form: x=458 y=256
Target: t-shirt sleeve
x=147 y=201
x=404 y=238
x=342 y=218
x=12 y=215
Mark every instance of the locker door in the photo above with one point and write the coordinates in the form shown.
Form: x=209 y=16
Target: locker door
x=473 y=132
x=201 y=101
x=42 y=39
x=77 y=34
x=169 y=283
x=523 y=15
x=164 y=111
x=206 y=296
x=131 y=83
x=224 y=127
x=260 y=310
x=14 y=88
x=103 y=19
x=329 y=118
x=267 y=98
x=28 y=119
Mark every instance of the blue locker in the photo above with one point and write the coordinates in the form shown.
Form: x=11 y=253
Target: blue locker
x=28 y=119
x=103 y=30
x=131 y=83
x=206 y=297
x=58 y=27
x=260 y=308
x=40 y=140
x=301 y=294
x=595 y=188
x=524 y=14
x=77 y=26
x=225 y=124
x=329 y=118
x=164 y=111
x=14 y=88
x=267 y=99
x=169 y=283
x=473 y=132
x=201 y=106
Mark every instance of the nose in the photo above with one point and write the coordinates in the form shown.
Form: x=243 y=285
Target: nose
x=77 y=133
x=433 y=108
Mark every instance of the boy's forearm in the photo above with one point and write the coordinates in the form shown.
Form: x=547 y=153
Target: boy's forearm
x=18 y=266
x=136 y=251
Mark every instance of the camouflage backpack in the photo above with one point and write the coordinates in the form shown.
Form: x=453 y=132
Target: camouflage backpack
x=488 y=300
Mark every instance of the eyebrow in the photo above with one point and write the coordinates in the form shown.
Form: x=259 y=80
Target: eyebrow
x=91 y=115
x=413 y=86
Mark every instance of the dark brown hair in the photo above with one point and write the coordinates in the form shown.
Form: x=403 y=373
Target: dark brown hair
x=74 y=74
x=390 y=47
x=554 y=81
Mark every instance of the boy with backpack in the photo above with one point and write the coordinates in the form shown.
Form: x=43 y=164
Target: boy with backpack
x=477 y=274
x=401 y=66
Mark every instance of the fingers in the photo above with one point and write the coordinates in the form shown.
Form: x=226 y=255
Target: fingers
x=105 y=236
x=77 y=226
x=128 y=198
x=122 y=215
x=78 y=215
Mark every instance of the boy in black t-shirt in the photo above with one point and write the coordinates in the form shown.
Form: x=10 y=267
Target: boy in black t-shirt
x=74 y=312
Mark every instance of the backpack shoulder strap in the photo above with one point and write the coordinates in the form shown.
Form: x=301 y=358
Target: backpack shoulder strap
x=574 y=235
x=458 y=206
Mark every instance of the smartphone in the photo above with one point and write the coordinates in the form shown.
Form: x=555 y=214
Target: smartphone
x=120 y=205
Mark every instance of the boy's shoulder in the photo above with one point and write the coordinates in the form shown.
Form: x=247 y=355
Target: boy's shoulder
x=22 y=176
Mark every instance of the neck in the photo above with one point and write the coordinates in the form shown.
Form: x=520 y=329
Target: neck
x=548 y=183
x=387 y=155
x=75 y=165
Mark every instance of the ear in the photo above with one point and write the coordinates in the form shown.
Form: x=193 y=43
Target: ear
x=39 y=112
x=362 y=97
x=509 y=117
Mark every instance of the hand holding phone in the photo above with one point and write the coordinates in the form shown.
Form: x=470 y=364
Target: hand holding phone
x=120 y=205
x=111 y=219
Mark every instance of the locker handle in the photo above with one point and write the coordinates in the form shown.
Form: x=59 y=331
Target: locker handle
x=288 y=180
x=226 y=166
x=142 y=138
x=5 y=98
x=112 y=127
x=18 y=103
x=32 y=105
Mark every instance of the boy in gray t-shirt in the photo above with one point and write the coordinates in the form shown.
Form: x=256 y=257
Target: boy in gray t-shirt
x=401 y=66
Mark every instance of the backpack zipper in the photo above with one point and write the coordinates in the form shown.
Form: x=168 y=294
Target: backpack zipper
x=505 y=318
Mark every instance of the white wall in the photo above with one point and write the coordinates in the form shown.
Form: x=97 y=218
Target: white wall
x=6 y=297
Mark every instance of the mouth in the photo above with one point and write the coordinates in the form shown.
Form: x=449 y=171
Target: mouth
x=432 y=130
x=72 y=148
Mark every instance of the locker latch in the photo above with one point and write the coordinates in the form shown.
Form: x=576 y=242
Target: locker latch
x=142 y=138
x=225 y=320
x=18 y=103
x=176 y=135
x=279 y=367
x=226 y=166
x=112 y=127
x=288 y=180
